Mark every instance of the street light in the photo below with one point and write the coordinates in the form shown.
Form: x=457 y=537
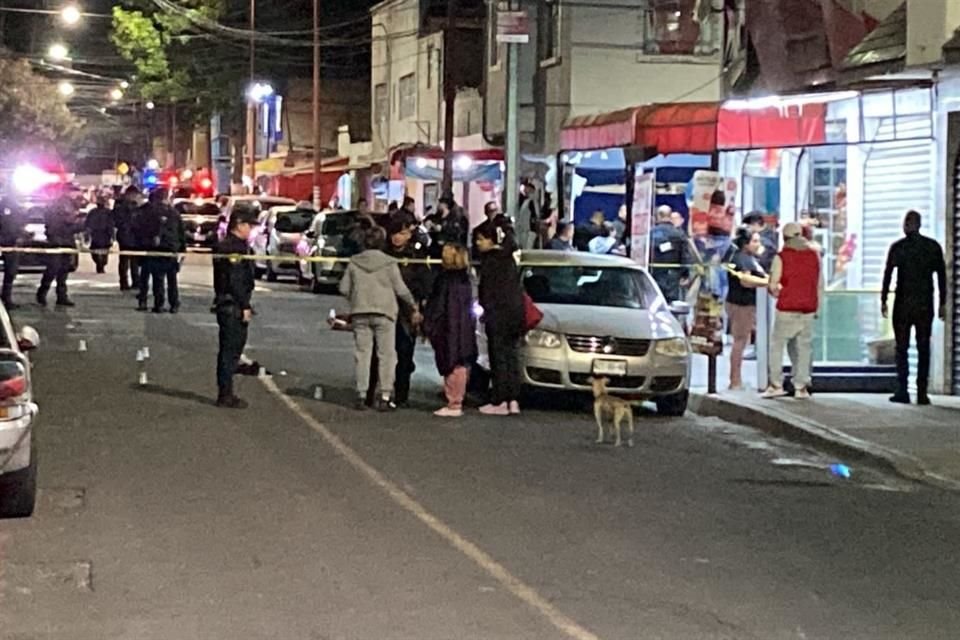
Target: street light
x=65 y=89
x=116 y=94
x=150 y=105
x=259 y=92
x=124 y=85
x=70 y=15
x=58 y=52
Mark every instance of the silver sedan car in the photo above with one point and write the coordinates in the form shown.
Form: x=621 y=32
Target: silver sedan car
x=604 y=316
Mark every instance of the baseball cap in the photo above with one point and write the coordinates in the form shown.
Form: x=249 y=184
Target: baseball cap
x=792 y=230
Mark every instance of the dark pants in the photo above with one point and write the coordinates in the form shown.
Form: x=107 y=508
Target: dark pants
x=58 y=268
x=668 y=279
x=919 y=317
x=11 y=266
x=233 y=338
x=100 y=258
x=165 y=272
x=405 y=343
x=504 y=352
x=129 y=272
x=143 y=279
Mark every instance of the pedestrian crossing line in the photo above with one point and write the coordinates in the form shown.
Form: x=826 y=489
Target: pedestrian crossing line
x=519 y=589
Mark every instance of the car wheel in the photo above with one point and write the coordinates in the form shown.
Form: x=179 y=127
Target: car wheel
x=18 y=491
x=673 y=405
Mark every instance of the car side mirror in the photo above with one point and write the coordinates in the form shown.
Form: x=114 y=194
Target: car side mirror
x=679 y=308
x=28 y=339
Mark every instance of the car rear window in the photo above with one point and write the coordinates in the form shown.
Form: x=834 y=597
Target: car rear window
x=336 y=224
x=590 y=286
x=293 y=221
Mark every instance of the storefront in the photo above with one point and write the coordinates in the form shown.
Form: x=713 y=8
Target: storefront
x=848 y=163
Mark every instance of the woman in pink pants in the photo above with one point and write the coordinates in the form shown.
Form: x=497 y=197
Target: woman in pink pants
x=451 y=327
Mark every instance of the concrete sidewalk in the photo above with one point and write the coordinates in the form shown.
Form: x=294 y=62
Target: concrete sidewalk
x=921 y=443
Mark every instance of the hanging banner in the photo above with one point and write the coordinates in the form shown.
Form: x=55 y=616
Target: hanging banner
x=640 y=217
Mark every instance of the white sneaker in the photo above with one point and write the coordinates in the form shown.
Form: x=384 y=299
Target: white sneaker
x=774 y=391
x=501 y=409
x=447 y=412
x=514 y=408
x=802 y=394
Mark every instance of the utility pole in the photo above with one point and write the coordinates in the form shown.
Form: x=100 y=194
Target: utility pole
x=513 y=134
x=317 y=137
x=251 y=104
x=449 y=98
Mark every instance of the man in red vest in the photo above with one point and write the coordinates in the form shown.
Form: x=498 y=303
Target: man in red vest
x=796 y=283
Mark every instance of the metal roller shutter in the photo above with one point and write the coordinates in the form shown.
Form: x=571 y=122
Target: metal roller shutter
x=956 y=281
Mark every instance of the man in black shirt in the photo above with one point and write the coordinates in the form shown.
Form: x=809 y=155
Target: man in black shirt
x=233 y=282
x=916 y=258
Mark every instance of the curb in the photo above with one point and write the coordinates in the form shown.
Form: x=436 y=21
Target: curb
x=791 y=427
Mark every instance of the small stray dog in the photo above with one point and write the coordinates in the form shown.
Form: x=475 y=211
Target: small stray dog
x=618 y=408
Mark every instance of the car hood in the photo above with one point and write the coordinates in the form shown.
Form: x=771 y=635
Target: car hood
x=636 y=324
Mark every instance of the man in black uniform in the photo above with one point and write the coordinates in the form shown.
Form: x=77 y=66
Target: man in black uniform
x=12 y=230
x=62 y=227
x=233 y=282
x=669 y=247
x=916 y=258
x=158 y=228
x=124 y=213
x=99 y=226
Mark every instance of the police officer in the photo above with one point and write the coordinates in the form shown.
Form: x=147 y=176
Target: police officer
x=62 y=227
x=12 y=234
x=99 y=227
x=124 y=213
x=158 y=228
x=233 y=282
x=669 y=247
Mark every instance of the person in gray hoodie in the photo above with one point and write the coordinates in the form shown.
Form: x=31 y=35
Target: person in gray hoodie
x=372 y=283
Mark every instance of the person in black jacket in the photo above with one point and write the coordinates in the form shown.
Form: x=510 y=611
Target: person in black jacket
x=233 y=283
x=62 y=228
x=501 y=296
x=495 y=220
x=124 y=212
x=99 y=227
x=12 y=234
x=669 y=246
x=419 y=281
x=158 y=228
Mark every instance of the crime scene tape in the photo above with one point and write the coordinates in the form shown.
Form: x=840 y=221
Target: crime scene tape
x=72 y=251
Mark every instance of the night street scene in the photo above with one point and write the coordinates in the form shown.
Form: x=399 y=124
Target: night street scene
x=479 y=319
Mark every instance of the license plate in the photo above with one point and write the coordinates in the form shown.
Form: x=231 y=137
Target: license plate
x=610 y=367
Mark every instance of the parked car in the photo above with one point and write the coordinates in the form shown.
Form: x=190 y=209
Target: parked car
x=18 y=414
x=201 y=218
x=282 y=229
x=325 y=238
x=260 y=203
x=603 y=316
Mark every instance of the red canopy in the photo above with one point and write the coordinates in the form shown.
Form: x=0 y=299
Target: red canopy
x=697 y=127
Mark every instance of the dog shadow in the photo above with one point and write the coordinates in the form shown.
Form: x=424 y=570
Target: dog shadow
x=177 y=394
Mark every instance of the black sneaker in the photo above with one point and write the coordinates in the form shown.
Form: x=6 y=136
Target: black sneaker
x=360 y=403
x=923 y=400
x=386 y=405
x=157 y=310
x=175 y=309
x=66 y=302
x=142 y=307
x=41 y=300
x=231 y=402
x=900 y=398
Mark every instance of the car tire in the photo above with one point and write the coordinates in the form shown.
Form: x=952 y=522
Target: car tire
x=18 y=491
x=674 y=405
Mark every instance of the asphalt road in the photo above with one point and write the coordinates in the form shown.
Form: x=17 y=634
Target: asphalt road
x=164 y=517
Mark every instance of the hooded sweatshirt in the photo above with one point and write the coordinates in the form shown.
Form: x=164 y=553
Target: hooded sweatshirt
x=372 y=283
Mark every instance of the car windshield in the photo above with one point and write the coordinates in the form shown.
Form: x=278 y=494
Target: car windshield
x=293 y=221
x=336 y=224
x=590 y=286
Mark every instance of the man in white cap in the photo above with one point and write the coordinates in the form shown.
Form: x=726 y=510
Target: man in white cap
x=796 y=283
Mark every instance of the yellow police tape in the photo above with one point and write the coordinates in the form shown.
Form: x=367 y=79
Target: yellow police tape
x=236 y=257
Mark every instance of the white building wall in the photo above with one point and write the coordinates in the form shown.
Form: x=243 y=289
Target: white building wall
x=930 y=23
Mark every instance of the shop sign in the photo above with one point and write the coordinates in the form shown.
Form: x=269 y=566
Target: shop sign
x=640 y=217
x=513 y=27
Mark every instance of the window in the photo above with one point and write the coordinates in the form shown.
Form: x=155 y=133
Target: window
x=590 y=286
x=550 y=40
x=381 y=106
x=828 y=206
x=408 y=97
x=673 y=27
x=493 y=47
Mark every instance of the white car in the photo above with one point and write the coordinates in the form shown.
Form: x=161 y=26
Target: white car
x=603 y=316
x=18 y=413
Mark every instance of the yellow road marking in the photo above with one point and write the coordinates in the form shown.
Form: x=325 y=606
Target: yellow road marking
x=497 y=571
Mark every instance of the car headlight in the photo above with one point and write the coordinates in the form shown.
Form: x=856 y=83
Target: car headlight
x=544 y=339
x=673 y=347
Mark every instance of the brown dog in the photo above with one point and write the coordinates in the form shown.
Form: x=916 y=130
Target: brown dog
x=618 y=408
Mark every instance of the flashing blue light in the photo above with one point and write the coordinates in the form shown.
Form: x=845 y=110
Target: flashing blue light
x=151 y=180
x=840 y=470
